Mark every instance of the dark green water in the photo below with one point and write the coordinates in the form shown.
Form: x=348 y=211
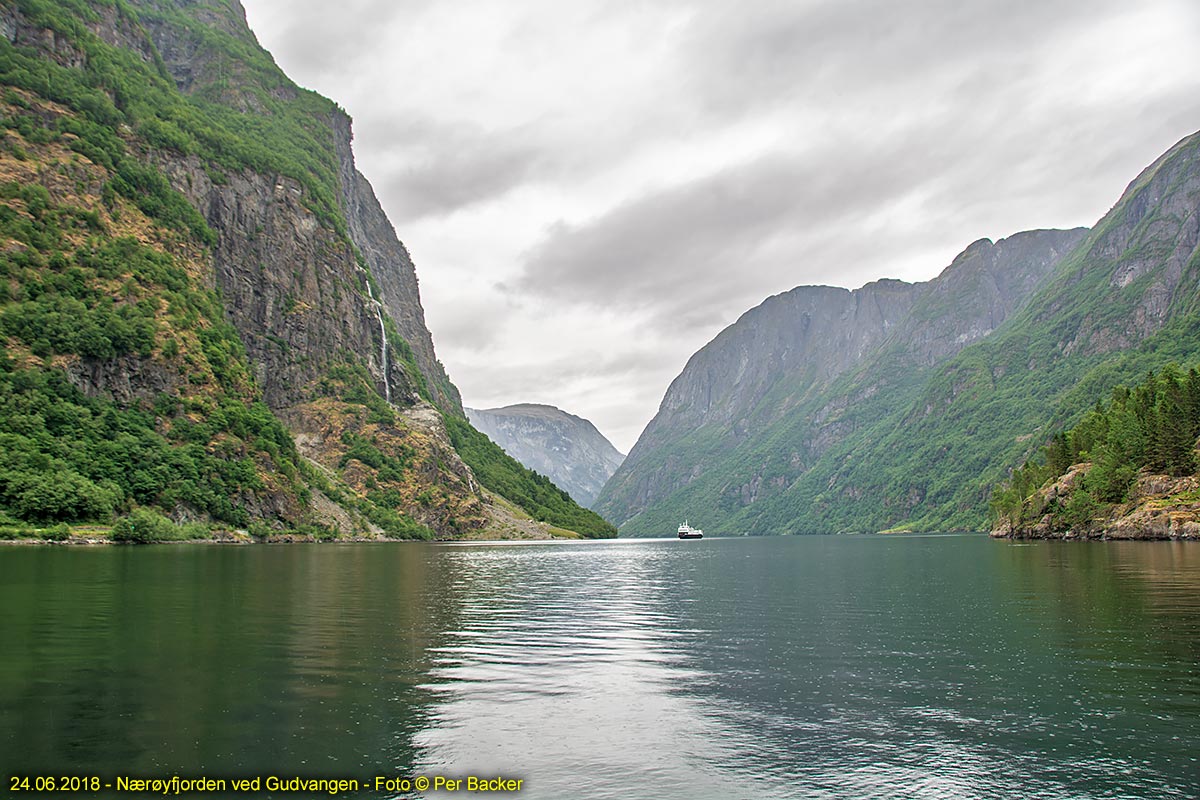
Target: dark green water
x=916 y=667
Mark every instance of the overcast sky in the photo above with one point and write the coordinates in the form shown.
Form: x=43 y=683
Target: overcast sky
x=593 y=189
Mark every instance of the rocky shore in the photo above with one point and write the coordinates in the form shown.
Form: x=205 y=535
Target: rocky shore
x=1159 y=507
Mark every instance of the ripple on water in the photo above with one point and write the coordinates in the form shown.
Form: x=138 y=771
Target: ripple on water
x=799 y=667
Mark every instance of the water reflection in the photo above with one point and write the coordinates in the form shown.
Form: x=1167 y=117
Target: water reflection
x=814 y=667
x=217 y=661
x=570 y=656
x=821 y=668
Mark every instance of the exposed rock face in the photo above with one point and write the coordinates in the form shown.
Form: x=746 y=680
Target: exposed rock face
x=391 y=265
x=1159 y=507
x=802 y=339
x=291 y=286
x=811 y=332
x=290 y=257
x=982 y=288
x=294 y=289
x=1140 y=261
x=190 y=59
x=565 y=448
x=789 y=352
x=125 y=379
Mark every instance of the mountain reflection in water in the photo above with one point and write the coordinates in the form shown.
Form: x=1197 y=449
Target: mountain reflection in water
x=947 y=666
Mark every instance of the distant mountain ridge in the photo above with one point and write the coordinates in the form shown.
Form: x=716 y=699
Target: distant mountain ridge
x=565 y=448
x=1012 y=341
x=781 y=381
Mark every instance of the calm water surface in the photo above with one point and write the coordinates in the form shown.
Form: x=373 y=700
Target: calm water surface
x=803 y=667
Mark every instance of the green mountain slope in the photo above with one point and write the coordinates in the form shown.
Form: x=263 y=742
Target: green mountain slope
x=911 y=436
x=203 y=310
x=566 y=448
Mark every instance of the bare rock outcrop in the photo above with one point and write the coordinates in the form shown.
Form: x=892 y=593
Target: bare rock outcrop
x=1159 y=507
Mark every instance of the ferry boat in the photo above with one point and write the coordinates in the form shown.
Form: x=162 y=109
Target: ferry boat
x=688 y=532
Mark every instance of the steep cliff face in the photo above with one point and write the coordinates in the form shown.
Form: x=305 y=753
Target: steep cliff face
x=292 y=282
x=752 y=374
x=273 y=274
x=810 y=334
x=982 y=288
x=121 y=383
x=1136 y=275
x=390 y=263
x=1013 y=341
x=565 y=448
x=291 y=286
x=776 y=385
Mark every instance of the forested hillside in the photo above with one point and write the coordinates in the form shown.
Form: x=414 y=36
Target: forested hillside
x=203 y=312
x=1127 y=449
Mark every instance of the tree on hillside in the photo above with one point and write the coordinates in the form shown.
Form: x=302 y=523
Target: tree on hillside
x=1176 y=440
x=1153 y=426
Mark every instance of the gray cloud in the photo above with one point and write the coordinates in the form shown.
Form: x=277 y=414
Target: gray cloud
x=317 y=36
x=782 y=51
x=697 y=249
x=468 y=327
x=555 y=373
x=973 y=163
x=433 y=168
x=896 y=133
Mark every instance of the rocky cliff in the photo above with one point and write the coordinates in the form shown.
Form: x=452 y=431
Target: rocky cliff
x=563 y=447
x=1159 y=507
x=800 y=360
x=1015 y=340
x=271 y=274
x=389 y=261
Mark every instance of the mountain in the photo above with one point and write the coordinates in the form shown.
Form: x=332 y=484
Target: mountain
x=204 y=310
x=775 y=390
x=565 y=448
x=895 y=405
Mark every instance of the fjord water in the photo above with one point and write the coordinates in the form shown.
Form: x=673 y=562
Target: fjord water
x=797 y=667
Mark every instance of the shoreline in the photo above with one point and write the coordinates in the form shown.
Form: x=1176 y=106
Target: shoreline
x=240 y=539
x=1157 y=508
x=245 y=540
x=1072 y=536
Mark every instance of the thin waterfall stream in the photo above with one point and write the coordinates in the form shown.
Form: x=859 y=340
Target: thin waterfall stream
x=383 y=342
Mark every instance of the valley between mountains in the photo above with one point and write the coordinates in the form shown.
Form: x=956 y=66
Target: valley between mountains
x=902 y=406
x=209 y=328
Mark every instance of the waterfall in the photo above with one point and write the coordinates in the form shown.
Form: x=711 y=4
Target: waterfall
x=383 y=343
